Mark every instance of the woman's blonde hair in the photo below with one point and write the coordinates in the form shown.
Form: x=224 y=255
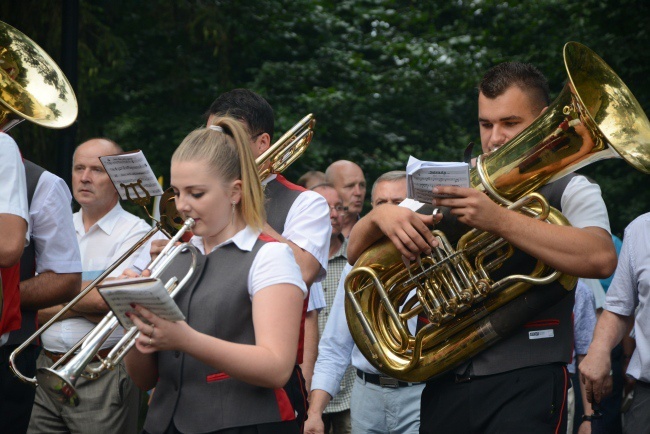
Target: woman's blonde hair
x=225 y=147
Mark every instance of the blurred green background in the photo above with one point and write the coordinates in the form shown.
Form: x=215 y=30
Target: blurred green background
x=385 y=79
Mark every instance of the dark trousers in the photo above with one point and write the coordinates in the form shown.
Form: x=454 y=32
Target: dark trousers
x=610 y=406
x=16 y=397
x=297 y=394
x=530 y=400
x=290 y=427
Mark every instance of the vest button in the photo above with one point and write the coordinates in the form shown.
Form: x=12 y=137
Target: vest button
x=177 y=354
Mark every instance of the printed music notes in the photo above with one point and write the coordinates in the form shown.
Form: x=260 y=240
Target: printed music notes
x=132 y=176
x=422 y=176
x=147 y=292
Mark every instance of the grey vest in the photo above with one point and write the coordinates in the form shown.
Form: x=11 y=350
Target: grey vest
x=33 y=173
x=280 y=195
x=194 y=395
x=518 y=350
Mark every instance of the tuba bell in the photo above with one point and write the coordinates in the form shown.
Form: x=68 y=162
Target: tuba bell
x=467 y=308
x=32 y=87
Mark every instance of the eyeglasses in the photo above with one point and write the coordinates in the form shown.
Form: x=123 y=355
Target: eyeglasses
x=339 y=208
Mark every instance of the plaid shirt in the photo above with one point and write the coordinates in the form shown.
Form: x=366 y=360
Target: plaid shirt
x=335 y=266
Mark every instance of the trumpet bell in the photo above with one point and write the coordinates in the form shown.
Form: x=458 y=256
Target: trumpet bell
x=32 y=86
x=58 y=385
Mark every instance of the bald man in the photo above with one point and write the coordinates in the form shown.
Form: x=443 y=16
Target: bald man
x=347 y=177
x=108 y=404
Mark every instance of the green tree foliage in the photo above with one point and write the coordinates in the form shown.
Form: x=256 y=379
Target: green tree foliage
x=385 y=78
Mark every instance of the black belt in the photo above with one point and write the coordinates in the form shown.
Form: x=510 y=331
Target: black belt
x=55 y=357
x=383 y=380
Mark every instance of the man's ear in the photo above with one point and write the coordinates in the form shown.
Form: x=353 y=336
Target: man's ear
x=262 y=143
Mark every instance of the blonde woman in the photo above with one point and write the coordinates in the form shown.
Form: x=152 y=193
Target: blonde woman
x=222 y=370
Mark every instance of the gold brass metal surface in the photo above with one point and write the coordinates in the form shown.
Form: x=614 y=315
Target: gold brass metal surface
x=287 y=148
x=32 y=86
x=595 y=117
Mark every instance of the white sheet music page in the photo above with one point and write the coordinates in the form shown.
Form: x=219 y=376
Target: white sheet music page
x=147 y=292
x=129 y=169
x=422 y=176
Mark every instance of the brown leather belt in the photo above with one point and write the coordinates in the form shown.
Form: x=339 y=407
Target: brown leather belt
x=55 y=357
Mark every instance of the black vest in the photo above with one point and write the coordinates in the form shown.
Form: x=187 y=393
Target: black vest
x=33 y=173
x=527 y=344
x=280 y=195
x=194 y=395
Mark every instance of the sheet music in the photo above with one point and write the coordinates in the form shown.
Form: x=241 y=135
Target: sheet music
x=422 y=176
x=147 y=292
x=129 y=168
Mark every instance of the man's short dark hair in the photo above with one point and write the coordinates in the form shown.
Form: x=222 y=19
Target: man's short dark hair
x=245 y=105
x=524 y=75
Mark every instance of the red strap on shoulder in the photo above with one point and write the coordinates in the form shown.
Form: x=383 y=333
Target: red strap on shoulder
x=267 y=238
x=290 y=185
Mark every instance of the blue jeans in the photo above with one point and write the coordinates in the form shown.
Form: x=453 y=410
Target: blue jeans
x=385 y=410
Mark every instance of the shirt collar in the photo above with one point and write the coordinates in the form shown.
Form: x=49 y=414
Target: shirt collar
x=244 y=240
x=343 y=250
x=106 y=223
x=269 y=178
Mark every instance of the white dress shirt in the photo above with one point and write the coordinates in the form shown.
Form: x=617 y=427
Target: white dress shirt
x=630 y=289
x=107 y=240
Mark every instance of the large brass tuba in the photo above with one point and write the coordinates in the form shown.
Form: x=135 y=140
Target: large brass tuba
x=467 y=310
x=32 y=87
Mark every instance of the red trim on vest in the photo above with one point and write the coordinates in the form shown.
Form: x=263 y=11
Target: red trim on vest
x=551 y=322
x=566 y=388
x=284 y=405
x=11 y=316
x=219 y=376
x=267 y=238
x=301 y=338
x=290 y=185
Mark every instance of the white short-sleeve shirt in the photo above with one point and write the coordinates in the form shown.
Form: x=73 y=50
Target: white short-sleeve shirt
x=107 y=240
x=13 y=186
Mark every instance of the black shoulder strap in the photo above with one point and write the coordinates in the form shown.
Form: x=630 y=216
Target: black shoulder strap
x=33 y=173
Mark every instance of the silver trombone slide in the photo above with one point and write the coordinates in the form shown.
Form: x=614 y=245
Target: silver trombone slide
x=60 y=384
x=75 y=300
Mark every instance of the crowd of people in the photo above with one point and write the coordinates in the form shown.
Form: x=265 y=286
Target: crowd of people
x=265 y=346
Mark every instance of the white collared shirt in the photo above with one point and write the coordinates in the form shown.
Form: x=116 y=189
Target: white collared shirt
x=629 y=293
x=13 y=185
x=107 y=240
x=52 y=229
x=308 y=226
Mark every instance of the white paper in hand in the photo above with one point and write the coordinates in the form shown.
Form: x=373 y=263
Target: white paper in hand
x=422 y=176
x=147 y=292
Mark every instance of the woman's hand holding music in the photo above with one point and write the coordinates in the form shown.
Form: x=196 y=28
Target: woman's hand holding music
x=158 y=334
